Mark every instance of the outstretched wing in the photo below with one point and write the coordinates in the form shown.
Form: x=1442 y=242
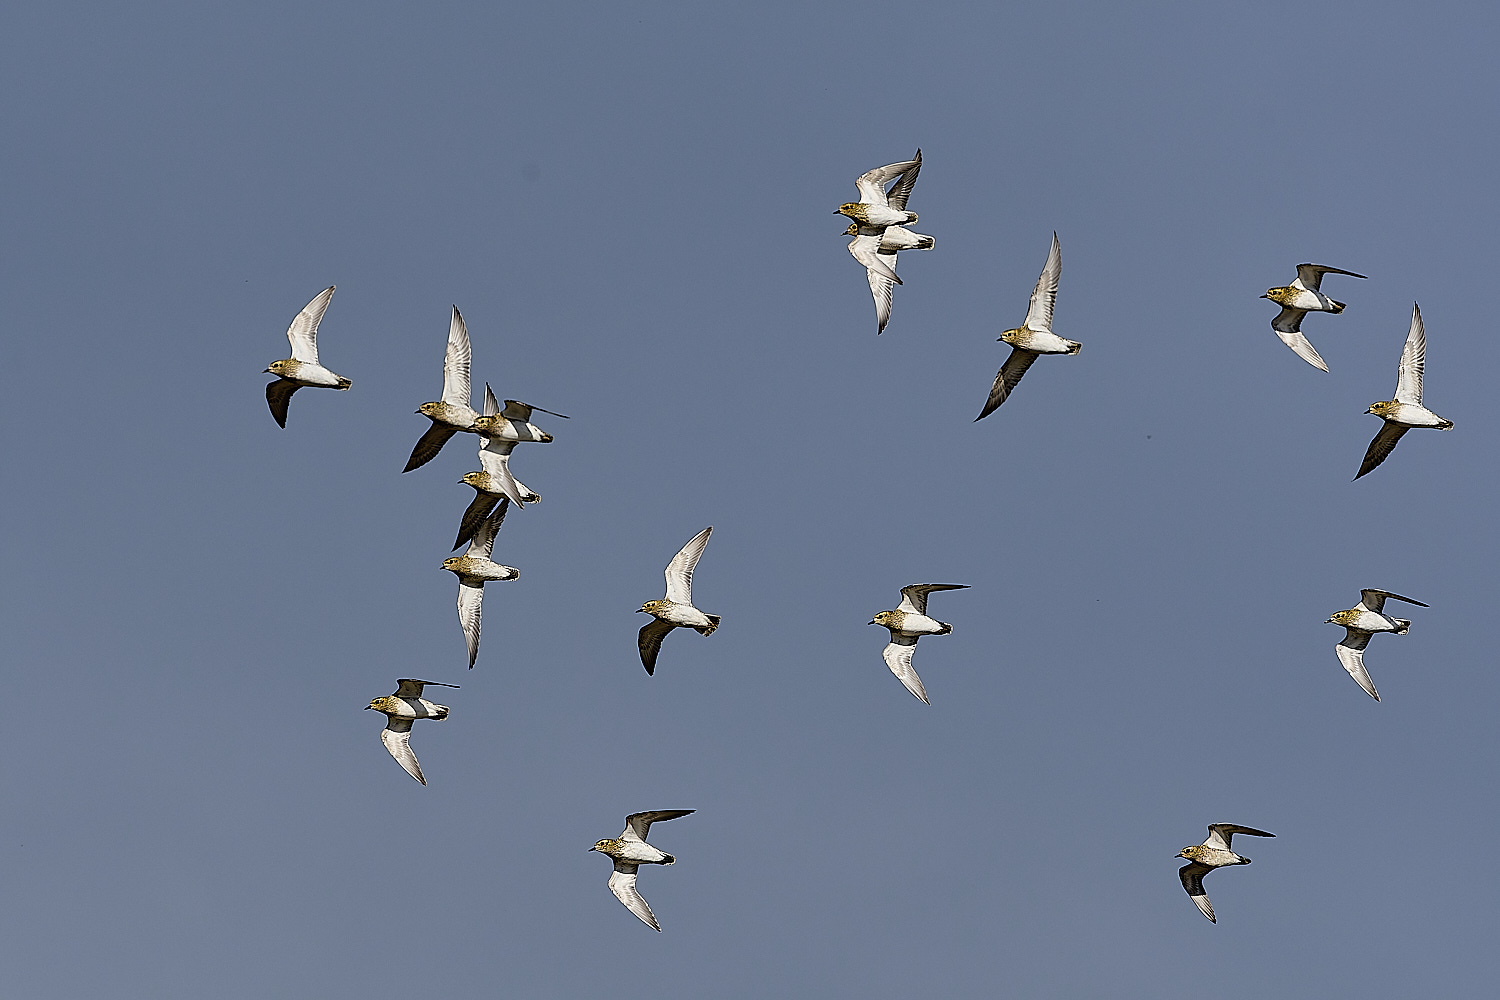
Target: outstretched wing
x=303 y=333
x=1044 y=296
x=898 y=192
x=428 y=445
x=1192 y=881
x=637 y=825
x=1383 y=444
x=1352 y=655
x=898 y=657
x=397 y=739
x=517 y=410
x=914 y=597
x=1309 y=276
x=622 y=884
x=871 y=183
x=649 y=641
x=1375 y=599
x=411 y=687
x=1413 y=361
x=483 y=542
x=1007 y=379
x=882 y=289
x=456 y=363
x=470 y=611
x=278 y=395
x=680 y=569
x=866 y=250
x=1220 y=834
x=474 y=515
x=1288 y=326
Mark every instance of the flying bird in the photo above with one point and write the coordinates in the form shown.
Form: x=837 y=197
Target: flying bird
x=302 y=368
x=452 y=413
x=677 y=608
x=876 y=247
x=1362 y=621
x=907 y=624
x=629 y=851
x=400 y=710
x=494 y=480
x=1297 y=300
x=473 y=569
x=1212 y=853
x=872 y=211
x=1406 y=410
x=1034 y=337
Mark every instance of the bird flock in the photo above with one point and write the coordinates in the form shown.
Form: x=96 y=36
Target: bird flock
x=879 y=234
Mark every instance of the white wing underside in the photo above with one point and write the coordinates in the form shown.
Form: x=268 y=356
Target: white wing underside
x=397 y=739
x=622 y=884
x=680 y=569
x=871 y=184
x=866 y=250
x=1288 y=326
x=1044 y=296
x=882 y=289
x=898 y=655
x=456 y=363
x=303 y=333
x=914 y=596
x=1413 y=361
x=1221 y=835
x=470 y=610
x=1352 y=656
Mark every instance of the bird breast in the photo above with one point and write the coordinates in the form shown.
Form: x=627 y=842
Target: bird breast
x=1412 y=415
x=1040 y=341
x=922 y=625
x=474 y=568
x=681 y=614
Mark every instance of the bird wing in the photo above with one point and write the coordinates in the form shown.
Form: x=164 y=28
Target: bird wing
x=1352 y=655
x=914 y=596
x=866 y=250
x=411 y=687
x=1309 y=276
x=622 y=884
x=397 y=739
x=494 y=457
x=491 y=404
x=1221 y=834
x=456 y=363
x=1375 y=599
x=483 y=542
x=896 y=195
x=428 y=445
x=1039 y=316
x=897 y=655
x=303 y=333
x=474 y=515
x=1413 y=362
x=680 y=569
x=1007 y=378
x=1288 y=326
x=649 y=641
x=470 y=609
x=517 y=410
x=871 y=183
x=882 y=289
x=1192 y=881
x=638 y=825
x=1382 y=445
x=278 y=395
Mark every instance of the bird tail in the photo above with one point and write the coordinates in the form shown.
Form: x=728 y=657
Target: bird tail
x=946 y=628
x=344 y=383
x=926 y=243
x=1338 y=306
x=439 y=712
x=1074 y=347
x=668 y=859
x=713 y=623
x=1404 y=623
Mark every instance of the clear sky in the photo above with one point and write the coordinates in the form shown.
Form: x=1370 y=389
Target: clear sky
x=632 y=206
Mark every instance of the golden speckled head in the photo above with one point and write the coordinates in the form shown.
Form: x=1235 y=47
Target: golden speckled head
x=606 y=846
x=430 y=409
x=1280 y=294
x=854 y=209
x=474 y=479
x=452 y=562
x=890 y=619
x=286 y=368
x=1343 y=617
x=1383 y=408
x=853 y=229
x=389 y=703
x=652 y=607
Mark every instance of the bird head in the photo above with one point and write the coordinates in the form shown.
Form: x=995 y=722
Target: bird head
x=1381 y=409
x=433 y=410
x=854 y=209
x=1280 y=294
x=605 y=846
x=651 y=607
x=451 y=563
x=383 y=704
x=280 y=367
x=853 y=229
x=890 y=619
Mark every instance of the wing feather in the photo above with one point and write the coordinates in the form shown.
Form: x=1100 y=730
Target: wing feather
x=897 y=654
x=456 y=363
x=279 y=396
x=1413 y=361
x=622 y=884
x=1382 y=445
x=649 y=641
x=1007 y=379
x=1044 y=296
x=470 y=610
x=1352 y=656
x=428 y=445
x=866 y=250
x=1192 y=881
x=898 y=192
x=638 y=825
x=680 y=569
x=882 y=289
x=397 y=739
x=303 y=333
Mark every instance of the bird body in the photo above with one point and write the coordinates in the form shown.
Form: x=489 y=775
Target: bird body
x=877 y=230
x=1213 y=853
x=1033 y=338
x=474 y=569
x=1298 y=299
x=401 y=710
x=452 y=413
x=1360 y=622
x=907 y=623
x=676 y=609
x=302 y=368
x=1405 y=411
x=629 y=851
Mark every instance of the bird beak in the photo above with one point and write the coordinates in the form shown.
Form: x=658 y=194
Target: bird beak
x=367 y=708
x=591 y=850
x=1265 y=296
x=869 y=623
x=269 y=372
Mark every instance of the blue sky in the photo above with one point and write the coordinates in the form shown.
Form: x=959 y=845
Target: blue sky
x=632 y=209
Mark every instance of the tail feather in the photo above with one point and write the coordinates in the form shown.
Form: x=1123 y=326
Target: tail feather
x=709 y=628
x=668 y=859
x=1338 y=306
x=926 y=243
x=1404 y=623
x=344 y=383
